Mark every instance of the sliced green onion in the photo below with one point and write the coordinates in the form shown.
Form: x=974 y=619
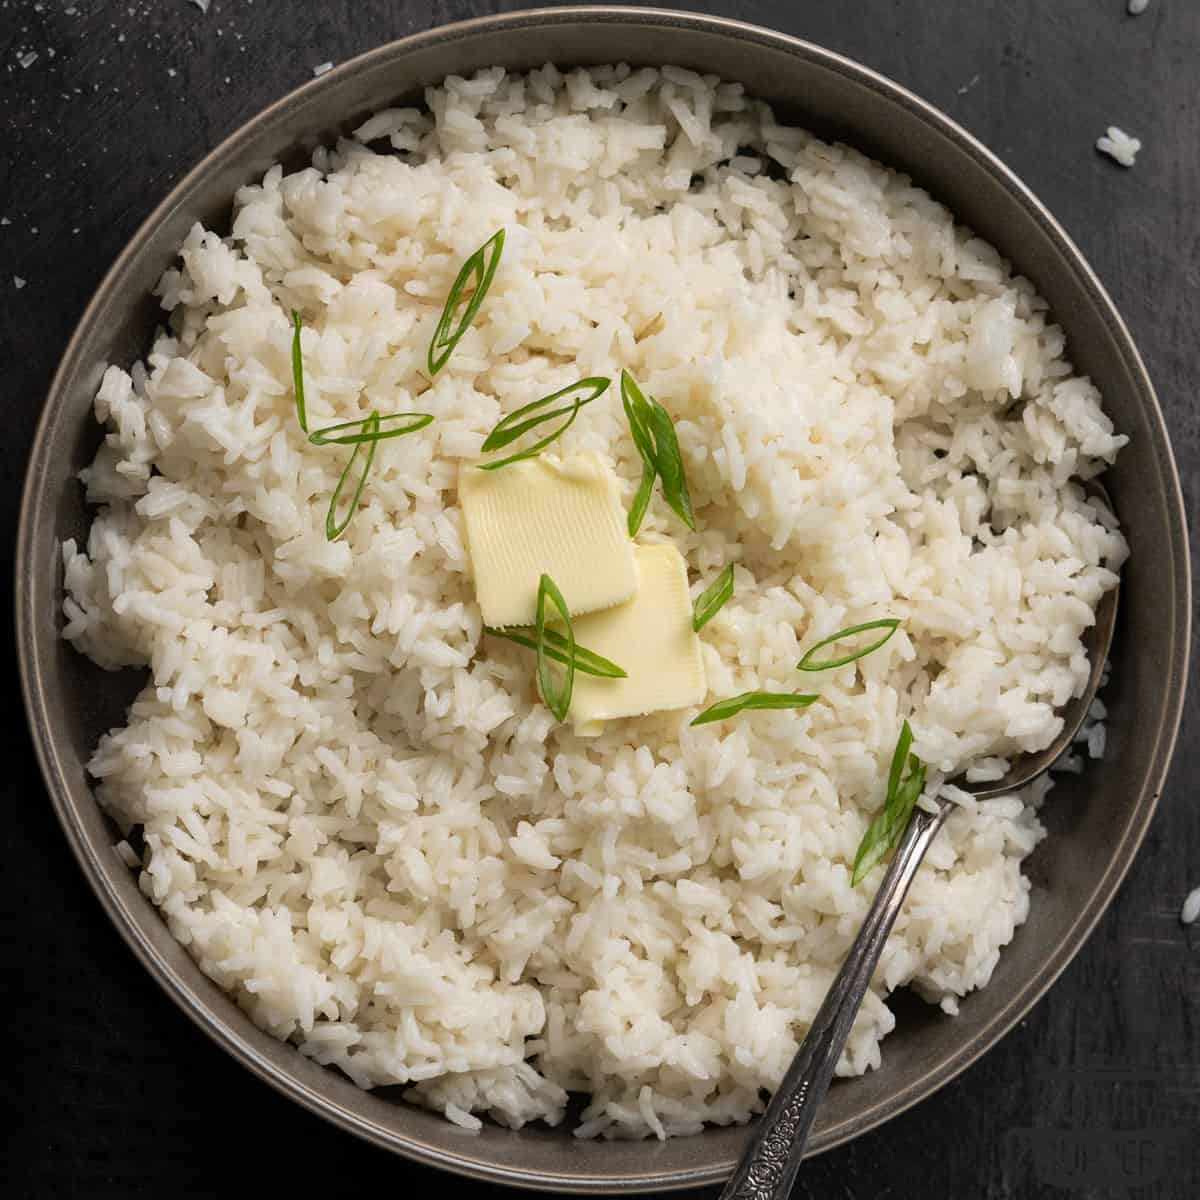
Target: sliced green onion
x=334 y=530
x=891 y=624
x=713 y=598
x=670 y=465
x=369 y=429
x=479 y=269
x=587 y=661
x=654 y=436
x=509 y=428
x=637 y=413
x=737 y=704
x=889 y=823
x=899 y=758
x=298 y=370
x=556 y=696
x=641 y=499
x=637 y=410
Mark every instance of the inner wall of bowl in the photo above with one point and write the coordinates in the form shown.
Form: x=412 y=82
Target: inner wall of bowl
x=1088 y=816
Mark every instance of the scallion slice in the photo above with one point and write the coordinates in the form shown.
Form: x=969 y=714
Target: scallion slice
x=556 y=695
x=509 y=428
x=587 y=661
x=654 y=436
x=807 y=663
x=713 y=598
x=903 y=792
x=737 y=704
x=637 y=413
x=641 y=499
x=334 y=529
x=480 y=270
x=670 y=464
x=370 y=429
x=298 y=370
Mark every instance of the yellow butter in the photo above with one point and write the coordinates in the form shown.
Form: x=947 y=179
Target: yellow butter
x=540 y=517
x=651 y=637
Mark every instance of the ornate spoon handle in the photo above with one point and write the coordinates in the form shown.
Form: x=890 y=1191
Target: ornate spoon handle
x=770 y=1162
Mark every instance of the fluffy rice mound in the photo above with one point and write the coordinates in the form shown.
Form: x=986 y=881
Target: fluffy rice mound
x=353 y=808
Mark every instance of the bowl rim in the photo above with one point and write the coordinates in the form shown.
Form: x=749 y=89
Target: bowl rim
x=178 y=988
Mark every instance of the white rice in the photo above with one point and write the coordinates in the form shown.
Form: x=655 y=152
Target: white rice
x=1118 y=145
x=1137 y=6
x=128 y=854
x=1191 y=907
x=356 y=813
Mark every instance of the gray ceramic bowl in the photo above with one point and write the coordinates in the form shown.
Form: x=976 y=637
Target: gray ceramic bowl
x=1096 y=822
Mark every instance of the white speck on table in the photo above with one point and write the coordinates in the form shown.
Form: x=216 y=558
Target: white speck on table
x=321 y=68
x=1191 y=907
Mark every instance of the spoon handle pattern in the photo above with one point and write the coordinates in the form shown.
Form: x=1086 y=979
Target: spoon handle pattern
x=769 y=1164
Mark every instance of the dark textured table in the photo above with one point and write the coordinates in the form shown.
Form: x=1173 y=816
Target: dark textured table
x=108 y=1089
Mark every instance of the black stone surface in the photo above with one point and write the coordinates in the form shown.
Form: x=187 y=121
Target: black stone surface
x=107 y=1090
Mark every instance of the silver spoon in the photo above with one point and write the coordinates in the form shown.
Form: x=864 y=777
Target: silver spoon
x=769 y=1163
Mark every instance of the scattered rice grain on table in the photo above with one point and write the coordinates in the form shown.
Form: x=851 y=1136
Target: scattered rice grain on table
x=1118 y=145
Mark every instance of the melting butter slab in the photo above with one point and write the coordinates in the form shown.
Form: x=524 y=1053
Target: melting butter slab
x=651 y=637
x=540 y=517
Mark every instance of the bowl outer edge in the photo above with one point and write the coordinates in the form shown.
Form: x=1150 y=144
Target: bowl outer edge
x=100 y=873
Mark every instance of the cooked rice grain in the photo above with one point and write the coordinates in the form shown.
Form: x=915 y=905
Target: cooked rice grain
x=1119 y=146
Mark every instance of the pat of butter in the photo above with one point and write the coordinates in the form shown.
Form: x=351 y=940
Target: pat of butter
x=539 y=517
x=651 y=637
